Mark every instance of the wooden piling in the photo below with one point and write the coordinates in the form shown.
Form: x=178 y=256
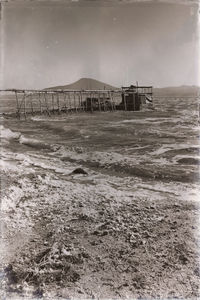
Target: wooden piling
x=91 y=102
x=31 y=102
x=99 y=101
x=86 y=102
x=134 y=102
x=81 y=98
x=52 y=99
x=47 y=105
x=113 y=100
x=79 y=102
x=58 y=102
x=110 y=96
x=104 y=104
x=17 y=102
x=65 y=104
x=125 y=105
x=40 y=103
x=24 y=105
x=69 y=98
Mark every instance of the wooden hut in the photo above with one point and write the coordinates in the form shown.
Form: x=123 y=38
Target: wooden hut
x=135 y=96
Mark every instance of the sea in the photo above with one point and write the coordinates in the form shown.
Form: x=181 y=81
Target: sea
x=157 y=150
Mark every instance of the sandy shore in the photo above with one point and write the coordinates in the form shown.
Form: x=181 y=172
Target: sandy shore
x=84 y=236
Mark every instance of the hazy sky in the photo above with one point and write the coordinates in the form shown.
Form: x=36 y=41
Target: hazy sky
x=54 y=43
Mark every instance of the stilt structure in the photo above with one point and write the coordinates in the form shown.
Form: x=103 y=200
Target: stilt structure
x=52 y=101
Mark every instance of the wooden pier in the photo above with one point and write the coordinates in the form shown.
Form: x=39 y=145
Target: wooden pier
x=49 y=102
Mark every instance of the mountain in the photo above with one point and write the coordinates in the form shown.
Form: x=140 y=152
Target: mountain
x=184 y=90
x=84 y=84
x=92 y=84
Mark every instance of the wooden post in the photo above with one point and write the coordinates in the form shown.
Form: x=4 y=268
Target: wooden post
x=40 y=103
x=58 y=102
x=125 y=106
x=99 y=101
x=86 y=102
x=114 y=105
x=52 y=96
x=111 y=101
x=91 y=102
x=31 y=104
x=64 y=94
x=69 y=98
x=75 y=106
x=17 y=102
x=81 y=97
x=104 y=105
x=24 y=105
x=46 y=103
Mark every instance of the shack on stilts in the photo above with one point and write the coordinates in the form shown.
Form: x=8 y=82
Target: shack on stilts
x=32 y=102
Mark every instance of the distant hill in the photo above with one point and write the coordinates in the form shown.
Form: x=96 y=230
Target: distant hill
x=183 y=90
x=92 y=84
x=85 y=84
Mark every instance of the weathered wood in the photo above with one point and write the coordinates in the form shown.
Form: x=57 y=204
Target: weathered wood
x=69 y=98
x=75 y=106
x=99 y=103
x=25 y=106
x=114 y=104
x=134 y=102
x=110 y=96
x=47 y=105
x=65 y=101
x=91 y=100
x=58 y=103
x=125 y=105
x=53 y=107
x=81 y=98
x=31 y=103
x=40 y=103
x=104 y=104
x=17 y=101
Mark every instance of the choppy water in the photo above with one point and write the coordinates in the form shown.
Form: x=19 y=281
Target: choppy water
x=159 y=148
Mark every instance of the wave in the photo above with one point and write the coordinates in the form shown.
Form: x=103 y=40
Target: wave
x=137 y=165
x=39 y=144
x=188 y=160
x=8 y=134
x=175 y=148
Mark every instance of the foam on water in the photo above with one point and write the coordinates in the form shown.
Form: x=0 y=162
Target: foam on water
x=7 y=134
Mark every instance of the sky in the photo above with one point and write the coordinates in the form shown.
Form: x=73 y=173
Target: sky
x=48 y=43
